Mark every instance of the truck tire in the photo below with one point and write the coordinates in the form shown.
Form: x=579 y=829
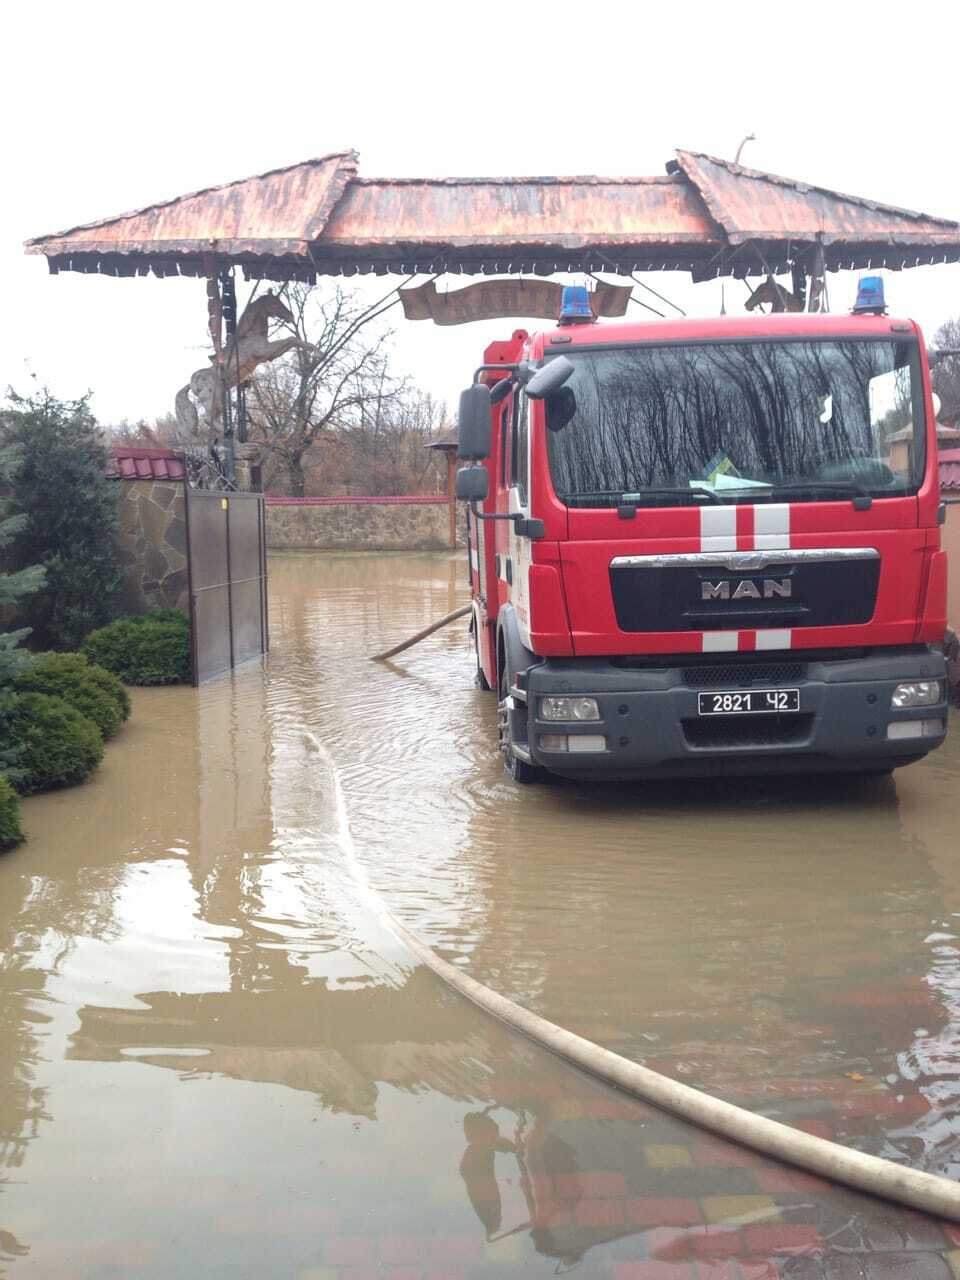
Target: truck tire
x=521 y=772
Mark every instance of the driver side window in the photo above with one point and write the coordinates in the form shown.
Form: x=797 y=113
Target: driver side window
x=519 y=450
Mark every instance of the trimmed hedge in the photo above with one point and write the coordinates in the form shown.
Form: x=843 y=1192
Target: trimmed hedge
x=59 y=746
x=176 y=616
x=143 y=650
x=93 y=691
x=10 y=833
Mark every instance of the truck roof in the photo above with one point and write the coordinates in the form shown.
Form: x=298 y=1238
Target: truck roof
x=693 y=328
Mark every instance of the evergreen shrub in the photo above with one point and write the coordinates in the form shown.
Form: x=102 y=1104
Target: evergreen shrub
x=142 y=650
x=89 y=689
x=67 y=512
x=10 y=833
x=58 y=746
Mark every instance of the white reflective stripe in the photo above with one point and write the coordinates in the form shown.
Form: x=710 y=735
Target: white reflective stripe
x=774 y=639
x=721 y=641
x=771 y=526
x=718 y=528
x=474 y=560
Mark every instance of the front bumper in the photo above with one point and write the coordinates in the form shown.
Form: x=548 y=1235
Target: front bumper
x=649 y=714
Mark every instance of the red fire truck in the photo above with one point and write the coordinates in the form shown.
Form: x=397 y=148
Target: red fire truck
x=707 y=546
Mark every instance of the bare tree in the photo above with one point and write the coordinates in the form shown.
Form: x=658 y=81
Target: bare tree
x=328 y=381
x=945 y=374
x=332 y=415
x=386 y=449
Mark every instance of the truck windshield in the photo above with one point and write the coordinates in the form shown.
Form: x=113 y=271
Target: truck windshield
x=738 y=422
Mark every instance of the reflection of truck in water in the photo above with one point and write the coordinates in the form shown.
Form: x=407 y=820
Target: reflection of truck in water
x=707 y=546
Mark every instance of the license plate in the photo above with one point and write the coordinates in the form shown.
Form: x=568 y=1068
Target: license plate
x=750 y=702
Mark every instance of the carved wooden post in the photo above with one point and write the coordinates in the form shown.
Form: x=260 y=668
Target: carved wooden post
x=228 y=307
x=798 y=279
x=214 y=311
x=818 y=279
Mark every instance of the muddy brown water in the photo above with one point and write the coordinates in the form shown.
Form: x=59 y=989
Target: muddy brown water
x=215 y=1061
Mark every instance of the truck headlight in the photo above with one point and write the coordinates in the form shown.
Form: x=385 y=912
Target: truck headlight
x=916 y=693
x=569 y=709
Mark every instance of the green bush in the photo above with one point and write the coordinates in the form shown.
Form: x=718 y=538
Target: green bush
x=59 y=746
x=93 y=691
x=142 y=651
x=10 y=833
x=163 y=615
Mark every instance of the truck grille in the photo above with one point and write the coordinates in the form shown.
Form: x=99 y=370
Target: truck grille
x=744 y=674
x=744 y=732
x=820 y=593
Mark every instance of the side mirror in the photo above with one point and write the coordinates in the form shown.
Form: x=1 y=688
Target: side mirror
x=475 y=432
x=472 y=484
x=549 y=379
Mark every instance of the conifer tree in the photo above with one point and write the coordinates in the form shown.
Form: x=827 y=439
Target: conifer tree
x=14 y=587
x=66 y=509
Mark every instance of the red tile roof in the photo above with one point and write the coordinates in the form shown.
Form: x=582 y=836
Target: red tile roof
x=154 y=463
x=949 y=462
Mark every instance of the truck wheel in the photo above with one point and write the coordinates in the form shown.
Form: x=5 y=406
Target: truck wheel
x=518 y=769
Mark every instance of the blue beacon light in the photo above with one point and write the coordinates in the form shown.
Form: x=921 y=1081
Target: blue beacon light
x=870 y=299
x=575 y=305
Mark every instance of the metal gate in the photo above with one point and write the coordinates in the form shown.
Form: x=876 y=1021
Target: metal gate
x=227 y=559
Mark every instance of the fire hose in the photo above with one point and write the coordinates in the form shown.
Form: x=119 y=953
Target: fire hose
x=422 y=635
x=926 y=1191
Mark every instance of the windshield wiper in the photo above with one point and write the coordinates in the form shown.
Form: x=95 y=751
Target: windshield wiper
x=636 y=497
x=863 y=498
x=670 y=490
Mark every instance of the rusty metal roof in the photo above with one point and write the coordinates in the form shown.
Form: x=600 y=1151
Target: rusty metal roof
x=756 y=209
x=275 y=215
x=704 y=215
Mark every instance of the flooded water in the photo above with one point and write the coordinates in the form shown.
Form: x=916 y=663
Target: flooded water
x=215 y=1061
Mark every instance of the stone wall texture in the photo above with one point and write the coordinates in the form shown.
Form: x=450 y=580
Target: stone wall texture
x=369 y=525
x=152 y=545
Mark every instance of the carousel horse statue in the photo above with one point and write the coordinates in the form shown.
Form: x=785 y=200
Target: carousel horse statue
x=780 y=299
x=249 y=347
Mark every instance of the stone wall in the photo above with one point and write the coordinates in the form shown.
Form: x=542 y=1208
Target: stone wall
x=152 y=545
x=361 y=524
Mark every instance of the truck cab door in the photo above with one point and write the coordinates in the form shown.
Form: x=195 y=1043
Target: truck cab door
x=519 y=548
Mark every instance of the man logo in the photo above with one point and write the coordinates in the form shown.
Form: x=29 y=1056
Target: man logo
x=765 y=589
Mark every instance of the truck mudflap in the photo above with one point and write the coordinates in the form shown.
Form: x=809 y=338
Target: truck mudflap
x=786 y=712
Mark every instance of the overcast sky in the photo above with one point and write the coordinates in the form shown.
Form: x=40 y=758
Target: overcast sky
x=107 y=107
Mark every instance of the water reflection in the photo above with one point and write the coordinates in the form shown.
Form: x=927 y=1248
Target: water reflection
x=202 y=1024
